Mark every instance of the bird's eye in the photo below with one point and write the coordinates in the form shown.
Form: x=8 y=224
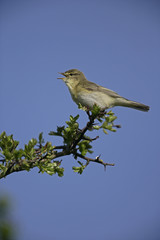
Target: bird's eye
x=71 y=74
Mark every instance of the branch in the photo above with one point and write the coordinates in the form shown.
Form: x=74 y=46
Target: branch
x=96 y=160
x=43 y=156
x=84 y=130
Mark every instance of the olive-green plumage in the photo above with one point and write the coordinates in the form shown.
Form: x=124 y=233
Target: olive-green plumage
x=88 y=93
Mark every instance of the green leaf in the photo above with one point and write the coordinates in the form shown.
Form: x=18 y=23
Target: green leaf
x=113 y=130
x=48 y=146
x=58 y=133
x=96 y=110
x=32 y=142
x=8 y=155
x=105 y=131
x=110 y=113
x=109 y=127
x=18 y=154
x=7 y=142
x=72 y=122
x=79 y=169
x=111 y=118
x=40 y=138
x=60 y=172
x=96 y=127
x=84 y=147
x=29 y=151
x=51 y=168
x=105 y=124
x=82 y=107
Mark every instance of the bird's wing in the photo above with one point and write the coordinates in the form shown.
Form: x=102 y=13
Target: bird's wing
x=94 y=87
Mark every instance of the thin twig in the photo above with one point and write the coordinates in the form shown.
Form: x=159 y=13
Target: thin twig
x=60 y=147
x=97 y=160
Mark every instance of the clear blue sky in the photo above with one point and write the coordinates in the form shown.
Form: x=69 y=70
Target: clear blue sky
x=117 y=45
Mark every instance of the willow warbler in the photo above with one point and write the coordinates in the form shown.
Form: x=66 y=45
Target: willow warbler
x=88 y=93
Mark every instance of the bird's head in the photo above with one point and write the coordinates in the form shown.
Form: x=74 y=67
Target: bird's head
x=72 y=77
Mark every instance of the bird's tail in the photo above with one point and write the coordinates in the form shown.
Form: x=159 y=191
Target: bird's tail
x=131 y=104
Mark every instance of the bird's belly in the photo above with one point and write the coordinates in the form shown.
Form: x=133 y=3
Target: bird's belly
x=89 y=99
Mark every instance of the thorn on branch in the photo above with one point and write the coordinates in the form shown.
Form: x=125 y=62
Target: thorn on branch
x=97 y=158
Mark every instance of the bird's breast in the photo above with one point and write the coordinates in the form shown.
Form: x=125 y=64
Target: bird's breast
x=98 y=98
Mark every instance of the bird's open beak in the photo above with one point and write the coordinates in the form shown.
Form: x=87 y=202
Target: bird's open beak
x=63 y=75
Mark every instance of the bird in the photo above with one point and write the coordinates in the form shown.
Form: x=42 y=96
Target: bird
x=89 y=93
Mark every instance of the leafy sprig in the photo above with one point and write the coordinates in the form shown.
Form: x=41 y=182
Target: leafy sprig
x=42 y=155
